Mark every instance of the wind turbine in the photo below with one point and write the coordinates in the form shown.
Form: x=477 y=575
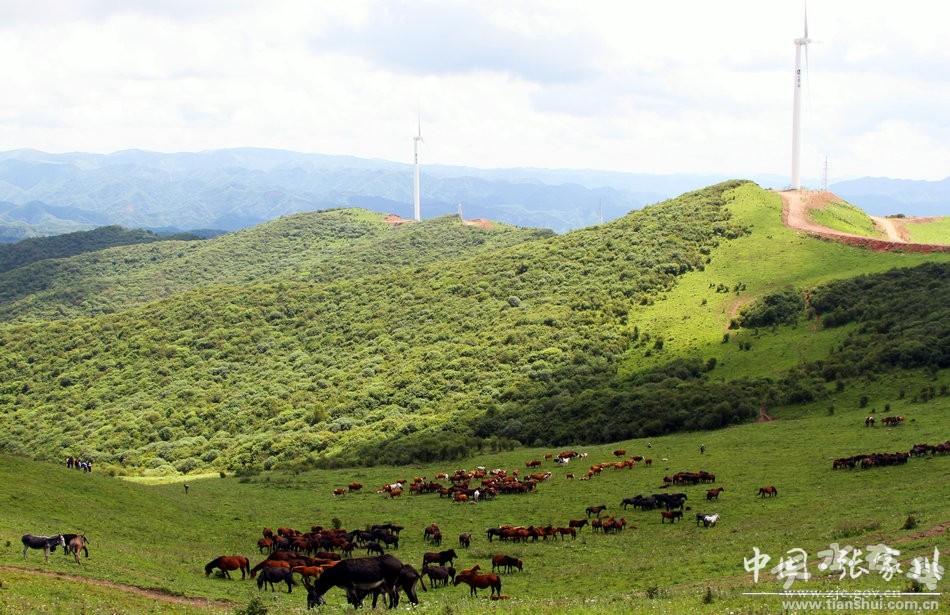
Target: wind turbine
x=797 y=106
x=417 y=207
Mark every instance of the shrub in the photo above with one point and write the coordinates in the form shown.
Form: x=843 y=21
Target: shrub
x=783 y=307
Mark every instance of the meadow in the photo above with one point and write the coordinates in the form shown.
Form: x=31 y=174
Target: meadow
x=153 y=535
x=847 y=218
x=932 y=231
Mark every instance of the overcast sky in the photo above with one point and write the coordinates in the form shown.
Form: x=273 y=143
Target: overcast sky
x=699 y=87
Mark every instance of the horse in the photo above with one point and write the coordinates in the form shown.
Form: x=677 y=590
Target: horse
x=339 y=491
x=76 y=543
x=507 y=562
x=363 y=574
x=275 y=574
x=442 y=557
x=67 y=538
x=595 y=510
x=710 y=520
x=354 y=486
x=439 y=575
x=226 y=563
x=465 y=540
x=869 y=422
x=577 y=524
x=769 y=491
x=620 y=452
x=408 y=577
x=374 y=548
x=480 y=581
x=672 y=515
x=47 y=543
x=713 y=494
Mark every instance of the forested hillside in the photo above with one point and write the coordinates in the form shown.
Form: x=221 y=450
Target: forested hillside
x=318 y=246
x=41 y=248
x=334 y=338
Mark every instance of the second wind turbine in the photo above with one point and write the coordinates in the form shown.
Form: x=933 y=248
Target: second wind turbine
x=416 y=197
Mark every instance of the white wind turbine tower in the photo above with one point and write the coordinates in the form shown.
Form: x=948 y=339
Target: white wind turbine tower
x=797 y=106
x=417 y=206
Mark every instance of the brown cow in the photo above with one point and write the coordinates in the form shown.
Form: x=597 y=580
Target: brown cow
x=339 y=491
x=620 y=452
x=355 y=487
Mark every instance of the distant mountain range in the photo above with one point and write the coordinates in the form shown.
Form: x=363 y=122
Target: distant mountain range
x=44 y=194
x=882 y=196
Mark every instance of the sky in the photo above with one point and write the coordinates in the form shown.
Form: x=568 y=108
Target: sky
x=649 y=87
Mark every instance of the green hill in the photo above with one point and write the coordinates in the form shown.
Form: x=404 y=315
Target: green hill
x=319 y=246
x=31 y=250
x=334 y=338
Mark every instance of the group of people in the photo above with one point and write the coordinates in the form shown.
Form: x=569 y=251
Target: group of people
x=75 y=463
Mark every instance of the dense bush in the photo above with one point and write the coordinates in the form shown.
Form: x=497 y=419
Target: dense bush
x=784 y=307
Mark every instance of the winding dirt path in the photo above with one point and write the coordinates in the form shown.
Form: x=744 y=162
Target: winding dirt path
x=154 y=594
x=795 y=207
x=890 y=229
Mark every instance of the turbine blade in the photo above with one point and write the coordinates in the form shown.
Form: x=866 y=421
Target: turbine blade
x=805 y=4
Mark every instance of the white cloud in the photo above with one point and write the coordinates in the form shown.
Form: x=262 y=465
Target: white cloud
x=675 y=87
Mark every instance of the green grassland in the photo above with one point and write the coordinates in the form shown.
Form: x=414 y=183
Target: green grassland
x=692 y=317
x=155 y=536
x=934 y=231
x=845 y=217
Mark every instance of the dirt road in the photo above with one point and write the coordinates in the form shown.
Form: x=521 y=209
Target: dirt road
x=795 y=207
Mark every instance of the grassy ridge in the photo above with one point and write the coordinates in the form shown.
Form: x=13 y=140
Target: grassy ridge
x=693 y=316
x=845 y=217
x=156 y=536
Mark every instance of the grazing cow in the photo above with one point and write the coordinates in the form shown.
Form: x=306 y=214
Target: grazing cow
x=672 y=515
x=480 y=581
x=339 y=491
x=465 y=540
x=620 y=452
x=713 y=494
x=769 y=491
x=440 y=558
x=595 y=510
x=227 y=563
x=507 y=562
x=535 y=463
x=460 y=498
x=46 y=543
x=275 y=574
x=354 y=487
